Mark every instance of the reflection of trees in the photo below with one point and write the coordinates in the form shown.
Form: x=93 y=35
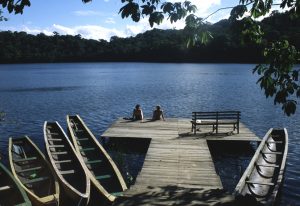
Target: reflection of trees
x=2 y=115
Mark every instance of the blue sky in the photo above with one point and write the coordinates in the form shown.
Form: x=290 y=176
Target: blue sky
x=98 y=19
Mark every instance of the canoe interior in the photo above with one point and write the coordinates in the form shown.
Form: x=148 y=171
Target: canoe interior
x=65 y=160
x=267 y=169
x=95 y=160
x=31 y=168
x=9 y=188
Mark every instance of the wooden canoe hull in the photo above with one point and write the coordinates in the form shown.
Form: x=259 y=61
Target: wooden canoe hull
x=28 y=178
x=16 y=194
x=102 y=170
x=68 y=166
x=263 y=176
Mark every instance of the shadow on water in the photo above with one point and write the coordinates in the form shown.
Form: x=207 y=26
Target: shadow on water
x=95 y=199
x=129 y=155
x=231 y=160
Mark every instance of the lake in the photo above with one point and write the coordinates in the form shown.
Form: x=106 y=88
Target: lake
x=101 y=92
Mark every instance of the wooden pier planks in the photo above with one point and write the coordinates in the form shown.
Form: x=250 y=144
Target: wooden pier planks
x=179 y=163
x=176 y=160
x=174 y=128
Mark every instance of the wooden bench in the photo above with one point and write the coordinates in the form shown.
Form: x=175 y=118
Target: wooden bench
x=215 y=119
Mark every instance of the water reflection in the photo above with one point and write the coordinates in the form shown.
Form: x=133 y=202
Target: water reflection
x=40 y=89
x=129 y=155
x=102 y=92
x=231 y=160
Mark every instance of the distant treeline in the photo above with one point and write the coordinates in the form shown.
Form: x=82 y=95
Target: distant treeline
x=152 y=46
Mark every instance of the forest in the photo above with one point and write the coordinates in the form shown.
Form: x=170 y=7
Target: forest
x=227 y=45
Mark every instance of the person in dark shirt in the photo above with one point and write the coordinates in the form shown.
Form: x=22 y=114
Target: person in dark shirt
x=158 y=114
x=137 y=113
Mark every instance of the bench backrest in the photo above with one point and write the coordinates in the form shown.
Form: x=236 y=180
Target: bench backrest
x=219 y=115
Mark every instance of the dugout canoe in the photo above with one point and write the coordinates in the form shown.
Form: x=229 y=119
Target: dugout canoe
x=102 y=170
x=33 y=172
x=11 y=193
x=264 y=175
x=67 y=164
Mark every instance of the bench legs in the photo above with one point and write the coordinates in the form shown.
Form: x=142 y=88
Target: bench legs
x=193 y=128
x=216 y=128
x=237 y=127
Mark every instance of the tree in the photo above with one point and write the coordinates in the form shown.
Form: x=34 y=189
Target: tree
x=278 y=77
x=2 y=18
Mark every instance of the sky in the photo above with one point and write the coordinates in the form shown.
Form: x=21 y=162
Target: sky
x=98 y=19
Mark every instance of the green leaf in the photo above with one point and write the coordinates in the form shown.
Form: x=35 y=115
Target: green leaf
x=173 y=17
x=192 y=9
x=289 y=107
x=147 y=10
x=167 y=7
x=10 y=7
x=187 y=3
x=189 y=7
x=130 y=9
x=4 y=4
x=156 y=17
x=237 y=12
x=283 y=4
x=280 y=97
x=298 y=93
x=25 y=3
x=295 y=75
x=255 y=68
x=136 y=17
x=18 y=9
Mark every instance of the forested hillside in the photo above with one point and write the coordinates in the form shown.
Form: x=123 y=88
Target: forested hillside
x=153 y=46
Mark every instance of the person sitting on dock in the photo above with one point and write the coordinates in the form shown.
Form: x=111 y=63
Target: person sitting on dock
x=158 y=114
x=137 y=113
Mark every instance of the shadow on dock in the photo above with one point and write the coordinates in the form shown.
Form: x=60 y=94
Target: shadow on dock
x=173 y=195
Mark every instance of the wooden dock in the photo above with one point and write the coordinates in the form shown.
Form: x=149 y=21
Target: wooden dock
x=177 y=164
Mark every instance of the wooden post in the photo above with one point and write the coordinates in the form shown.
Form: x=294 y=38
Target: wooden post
x=238 y=122
x=217 y=126
x=194 y=126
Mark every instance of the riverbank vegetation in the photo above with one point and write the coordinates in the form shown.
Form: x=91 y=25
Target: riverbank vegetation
x=152 y=46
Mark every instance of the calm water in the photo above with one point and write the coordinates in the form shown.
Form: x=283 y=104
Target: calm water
x=102 y=92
